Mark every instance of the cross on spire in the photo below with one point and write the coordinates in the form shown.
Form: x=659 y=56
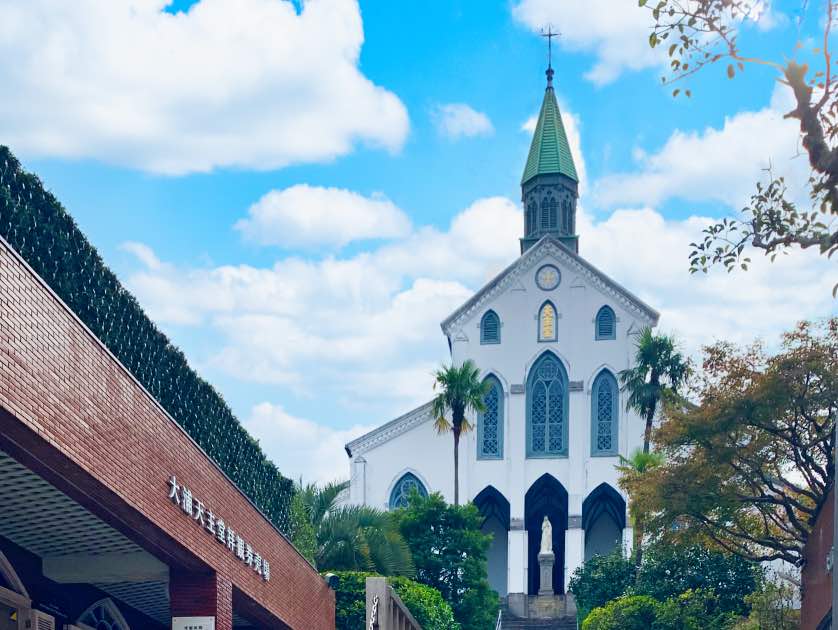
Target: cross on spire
x=549 y=35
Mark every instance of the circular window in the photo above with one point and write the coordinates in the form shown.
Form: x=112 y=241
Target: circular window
x=548 y=277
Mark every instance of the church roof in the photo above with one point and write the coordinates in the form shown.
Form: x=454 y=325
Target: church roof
x=553 y=246
x=550 y=150
x=389 y=430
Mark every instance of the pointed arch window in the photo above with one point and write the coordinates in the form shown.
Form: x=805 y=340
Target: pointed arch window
x=604 y=414
x=490 y=422
x=547 y=408
x=545 y=213
x=547 y=322
x=606 y=323
x=402 y=490
x=490 y=328
x=103 y=615
x=532 y=224
x=552 y=213
x=566 y=227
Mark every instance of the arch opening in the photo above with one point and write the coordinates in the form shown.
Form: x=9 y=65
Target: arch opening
x=546 y=497
x=603 y=519
x=495 y=510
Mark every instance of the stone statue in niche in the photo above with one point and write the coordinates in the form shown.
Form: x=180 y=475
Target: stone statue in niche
x=546 y=536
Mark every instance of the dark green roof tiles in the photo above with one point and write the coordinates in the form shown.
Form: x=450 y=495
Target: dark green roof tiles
x=549 y=151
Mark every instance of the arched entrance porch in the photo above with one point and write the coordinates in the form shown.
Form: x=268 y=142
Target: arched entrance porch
x=546 y=497
x=14 y=600
x=495 y=510
x=603 y=519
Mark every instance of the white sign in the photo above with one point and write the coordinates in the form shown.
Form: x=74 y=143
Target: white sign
x=193 y=623
x=215 y=526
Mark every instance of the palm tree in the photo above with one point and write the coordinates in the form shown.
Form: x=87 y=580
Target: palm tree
x=460 y=391
x=353 y=537
x=659 y=371
x=631 y=472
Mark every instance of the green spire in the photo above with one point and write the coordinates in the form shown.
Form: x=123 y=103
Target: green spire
x=549 y=151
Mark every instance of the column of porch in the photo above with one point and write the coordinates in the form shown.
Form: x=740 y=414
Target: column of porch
x=202 y=595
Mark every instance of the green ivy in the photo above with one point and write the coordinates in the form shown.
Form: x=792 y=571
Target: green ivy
x=33 y=222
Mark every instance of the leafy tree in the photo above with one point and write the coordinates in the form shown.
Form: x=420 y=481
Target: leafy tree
x=352 y=538
x=449 y=552
x=633 y=472
x=629 y=612
x=693 y=610
x=460 y=391
x=302 y=533
x=669 y=572
x=423 y=602
x=773 y=606
x=659 y=370
x=599 y=580
x=748 y=467
x=702 y=33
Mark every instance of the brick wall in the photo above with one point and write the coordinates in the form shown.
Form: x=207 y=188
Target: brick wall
x=816 y=581
x=71 y=412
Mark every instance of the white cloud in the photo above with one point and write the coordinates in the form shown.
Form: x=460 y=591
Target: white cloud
x=316 y=453
x=458 y=120
x=715 y=164
x=230 y=83
x=303 y=216
x=648 y=255
x=616 y=32
x=340 y=322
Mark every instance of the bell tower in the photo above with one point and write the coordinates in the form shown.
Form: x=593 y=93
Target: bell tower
x=550 y=186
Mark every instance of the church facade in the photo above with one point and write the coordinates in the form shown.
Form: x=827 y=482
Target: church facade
x=551 y=334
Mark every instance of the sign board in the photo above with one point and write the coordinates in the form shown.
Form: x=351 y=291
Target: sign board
x=193 y=623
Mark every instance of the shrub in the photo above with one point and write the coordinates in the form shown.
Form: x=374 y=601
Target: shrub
x=599 y=580
x=693 y=610
x=669 y=571
x=424 y=603
x=629 y=612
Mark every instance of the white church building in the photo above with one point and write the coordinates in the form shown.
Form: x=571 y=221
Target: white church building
x=551 y=334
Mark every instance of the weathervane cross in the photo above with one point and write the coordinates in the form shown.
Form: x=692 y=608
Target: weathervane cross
x=549 y=35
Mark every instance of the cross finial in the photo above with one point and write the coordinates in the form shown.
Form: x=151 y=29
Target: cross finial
x=549 y=34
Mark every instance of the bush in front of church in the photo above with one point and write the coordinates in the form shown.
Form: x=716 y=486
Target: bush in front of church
x=600 y=580
x=424 y=603
x=629 y=612
x=449 y=552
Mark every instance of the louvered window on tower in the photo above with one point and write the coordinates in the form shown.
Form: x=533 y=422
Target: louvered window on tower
x=490 y=328
x=531 y=218
x=552 y=217
x=566 y=217
x=545 y=212
x=606 y=323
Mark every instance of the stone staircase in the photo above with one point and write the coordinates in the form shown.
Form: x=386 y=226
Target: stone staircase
x=508 y=622
x=556 y=612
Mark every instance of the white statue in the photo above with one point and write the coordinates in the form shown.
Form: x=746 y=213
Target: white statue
x=546 y=536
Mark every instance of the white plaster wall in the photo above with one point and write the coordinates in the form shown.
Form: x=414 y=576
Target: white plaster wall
x=430 y=456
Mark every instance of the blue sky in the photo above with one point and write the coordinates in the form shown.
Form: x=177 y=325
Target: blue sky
x=299 y=216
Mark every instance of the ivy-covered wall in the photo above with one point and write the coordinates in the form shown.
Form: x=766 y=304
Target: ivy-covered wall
x=40 y=229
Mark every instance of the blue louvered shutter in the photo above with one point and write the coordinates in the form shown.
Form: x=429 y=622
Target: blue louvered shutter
x=490 y=328
x=606 y=324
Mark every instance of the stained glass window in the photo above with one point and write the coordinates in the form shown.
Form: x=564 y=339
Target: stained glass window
x=547 y=412
x=606 y=323
x=604 y=406
x=490 y=328
x=490 y=423
x=547 y=322
x=403 y=488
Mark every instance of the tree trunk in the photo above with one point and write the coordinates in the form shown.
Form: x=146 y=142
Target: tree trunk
x=456 y=467
x=647 y=434
x=638 y=545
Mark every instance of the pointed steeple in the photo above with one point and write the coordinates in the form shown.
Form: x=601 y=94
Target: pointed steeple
x=550 y=185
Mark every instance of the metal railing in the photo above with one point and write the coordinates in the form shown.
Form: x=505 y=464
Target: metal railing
x=500 y=619
x=385 y=611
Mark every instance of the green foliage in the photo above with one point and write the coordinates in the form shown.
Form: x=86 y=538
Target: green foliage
x=302 y=532
x=728 y=456
x=669 y=572
x=449 y=551
x=599 y=580
x=630 y=612
x=425 y=603
x=773 y=606
x=693 y=610
x=351 y=538
x=45 y=235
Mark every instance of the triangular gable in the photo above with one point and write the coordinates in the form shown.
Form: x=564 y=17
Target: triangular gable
x=549 y=245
